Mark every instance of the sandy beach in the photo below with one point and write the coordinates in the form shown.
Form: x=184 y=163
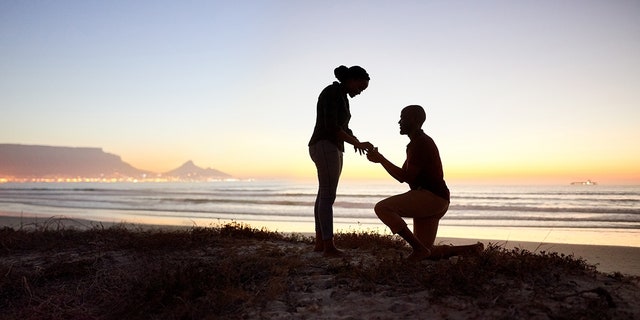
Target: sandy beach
x=607 y=259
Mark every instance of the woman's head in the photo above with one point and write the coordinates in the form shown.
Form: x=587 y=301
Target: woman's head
x=355 y=79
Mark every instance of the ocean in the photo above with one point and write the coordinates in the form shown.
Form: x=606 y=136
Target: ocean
x=580 y=214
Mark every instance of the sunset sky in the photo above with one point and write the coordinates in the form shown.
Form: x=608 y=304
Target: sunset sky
x=515 y=91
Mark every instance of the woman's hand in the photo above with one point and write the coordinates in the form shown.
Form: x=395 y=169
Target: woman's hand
x=363 y=147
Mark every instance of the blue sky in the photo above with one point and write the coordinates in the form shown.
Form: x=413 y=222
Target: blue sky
x=514 y=90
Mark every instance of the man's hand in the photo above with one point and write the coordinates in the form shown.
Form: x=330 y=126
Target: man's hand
x=374 y=156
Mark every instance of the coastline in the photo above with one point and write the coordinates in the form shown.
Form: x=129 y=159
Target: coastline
x=607 y=259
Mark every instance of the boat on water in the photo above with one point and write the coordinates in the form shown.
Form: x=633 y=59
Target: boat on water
x=584 y=183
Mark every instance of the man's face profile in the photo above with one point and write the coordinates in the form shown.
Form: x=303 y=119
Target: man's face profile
x=405 y=121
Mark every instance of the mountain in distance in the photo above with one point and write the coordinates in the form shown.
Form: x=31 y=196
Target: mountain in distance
x=189 y=171
x=34 y=162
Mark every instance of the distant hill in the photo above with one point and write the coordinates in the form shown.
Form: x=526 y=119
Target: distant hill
x=42 y=162
x=189 y=171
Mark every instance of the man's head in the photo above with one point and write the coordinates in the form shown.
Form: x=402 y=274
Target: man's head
x=411 y=119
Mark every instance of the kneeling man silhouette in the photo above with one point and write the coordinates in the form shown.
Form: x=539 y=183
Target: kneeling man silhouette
x=428 y=199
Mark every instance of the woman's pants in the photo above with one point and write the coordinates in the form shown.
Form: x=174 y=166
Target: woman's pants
x=328 y=160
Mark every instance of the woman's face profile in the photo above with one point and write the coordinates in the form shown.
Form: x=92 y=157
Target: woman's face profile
x=356 y=86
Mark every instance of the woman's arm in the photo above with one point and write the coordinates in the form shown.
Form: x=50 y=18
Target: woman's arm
x=359 y=146
x=328 y=108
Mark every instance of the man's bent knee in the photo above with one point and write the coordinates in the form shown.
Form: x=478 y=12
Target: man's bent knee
x=389 y=217
x=381 y=207
x=383 y=210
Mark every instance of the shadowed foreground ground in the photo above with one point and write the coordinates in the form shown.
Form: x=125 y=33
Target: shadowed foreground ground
x=234 y=271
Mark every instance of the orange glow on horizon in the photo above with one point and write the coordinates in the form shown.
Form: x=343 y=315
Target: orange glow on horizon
x=356 y=168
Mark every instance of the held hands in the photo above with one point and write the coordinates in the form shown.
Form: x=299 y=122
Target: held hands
x=372 y=152
x=374 y=156
x=363 y=147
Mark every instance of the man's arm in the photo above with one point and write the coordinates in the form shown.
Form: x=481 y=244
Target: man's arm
x=374 y=156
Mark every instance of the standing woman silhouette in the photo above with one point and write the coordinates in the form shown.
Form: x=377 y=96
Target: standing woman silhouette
x=326 y=146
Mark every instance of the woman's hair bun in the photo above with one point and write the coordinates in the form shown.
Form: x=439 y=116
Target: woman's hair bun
x=343 y=73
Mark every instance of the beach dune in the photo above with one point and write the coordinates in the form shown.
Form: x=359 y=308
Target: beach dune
x=607 y=259
x=235 y=271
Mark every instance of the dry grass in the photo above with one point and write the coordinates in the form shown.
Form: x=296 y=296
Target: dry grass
x=234 y=270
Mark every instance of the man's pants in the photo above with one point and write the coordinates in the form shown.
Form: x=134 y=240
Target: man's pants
x=423 y=206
